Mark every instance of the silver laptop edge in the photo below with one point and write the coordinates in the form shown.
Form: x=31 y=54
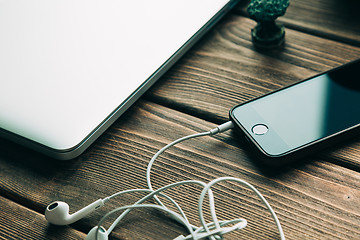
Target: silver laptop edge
x=75 y=151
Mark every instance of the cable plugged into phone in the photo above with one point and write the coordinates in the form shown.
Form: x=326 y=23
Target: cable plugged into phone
x=222 y=128
x=58 y=212
x=284 y=126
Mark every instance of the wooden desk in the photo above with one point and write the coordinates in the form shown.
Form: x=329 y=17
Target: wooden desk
x=318 y=198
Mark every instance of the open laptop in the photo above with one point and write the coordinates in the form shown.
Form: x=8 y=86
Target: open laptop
x=70 y=68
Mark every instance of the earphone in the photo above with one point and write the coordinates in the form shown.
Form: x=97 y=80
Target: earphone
x=58 y=212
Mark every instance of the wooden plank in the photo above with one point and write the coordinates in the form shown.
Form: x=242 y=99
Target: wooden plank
x=337 y=20
x=346 y=154
x=313 y=200
x=19 y=222
x=225 y=70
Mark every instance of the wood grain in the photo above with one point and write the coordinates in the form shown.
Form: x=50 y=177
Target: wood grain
x=224 y=69
x=332 y=19
x=19 y=222
x=345 y=154
x=313 y=199
x=317 y=198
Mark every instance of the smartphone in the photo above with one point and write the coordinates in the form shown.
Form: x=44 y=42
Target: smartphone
x=303 y=118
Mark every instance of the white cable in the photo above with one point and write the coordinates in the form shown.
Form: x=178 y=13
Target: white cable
x=180 y=218
x=213 y=182
x=213 y=230
x=218 y=129
x=152 y=194
x=131 y=207
x=221 y=128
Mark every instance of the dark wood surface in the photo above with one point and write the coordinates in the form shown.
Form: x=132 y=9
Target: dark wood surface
x=316 y=198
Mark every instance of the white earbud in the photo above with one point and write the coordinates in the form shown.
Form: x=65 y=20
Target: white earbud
x=58 y=212
x=101 y=234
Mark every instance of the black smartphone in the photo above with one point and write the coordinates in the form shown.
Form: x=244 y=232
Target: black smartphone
x=303 y=118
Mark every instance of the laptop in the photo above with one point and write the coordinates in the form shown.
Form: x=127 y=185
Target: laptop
x=70 y=68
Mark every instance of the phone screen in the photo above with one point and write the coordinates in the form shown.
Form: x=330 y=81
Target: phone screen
x=305 y=112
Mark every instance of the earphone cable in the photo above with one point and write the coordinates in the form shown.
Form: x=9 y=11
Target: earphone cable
x=221 y=128
x=213 y=230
